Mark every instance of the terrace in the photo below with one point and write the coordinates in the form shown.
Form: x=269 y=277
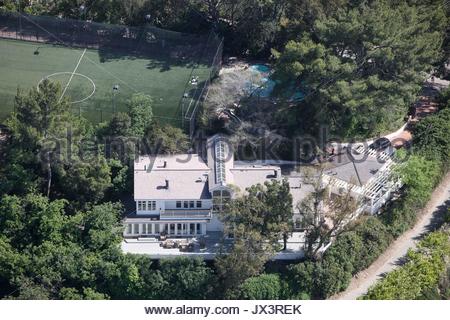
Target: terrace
x=206 y=247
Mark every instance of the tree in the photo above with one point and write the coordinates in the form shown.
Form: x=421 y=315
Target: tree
x=419 y=176
x=257 y=220
x=262 y=287
x=361 y=67
x=432 y=136
x=140 y=112
x=41 y=115
x=185 y=278
x=421 y=272
x=325 y=216
x=85 y=182
x=265 y=209
x=246 y=259
x=48 y=144
x=55 y=255
x=278 y=218
x=165 y=140
x=118 y=126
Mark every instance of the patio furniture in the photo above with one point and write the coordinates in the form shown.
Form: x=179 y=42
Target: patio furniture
x=168 y=244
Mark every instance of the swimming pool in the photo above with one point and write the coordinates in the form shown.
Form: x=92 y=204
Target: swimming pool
x=262 y=68
x=266 y=86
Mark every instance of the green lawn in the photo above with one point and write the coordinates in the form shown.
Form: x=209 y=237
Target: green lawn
x=159 y=75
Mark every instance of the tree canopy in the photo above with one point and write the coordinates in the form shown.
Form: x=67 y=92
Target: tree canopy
x=362 y=66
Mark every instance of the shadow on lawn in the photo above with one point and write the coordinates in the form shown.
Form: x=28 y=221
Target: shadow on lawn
x=163 y=48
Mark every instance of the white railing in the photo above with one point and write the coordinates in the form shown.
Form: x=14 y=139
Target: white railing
x=186 y=214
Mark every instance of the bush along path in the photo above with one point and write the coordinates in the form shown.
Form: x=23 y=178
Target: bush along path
x=394 y=255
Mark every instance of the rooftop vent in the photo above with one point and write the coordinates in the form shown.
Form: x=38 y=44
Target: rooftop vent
x=164 y=165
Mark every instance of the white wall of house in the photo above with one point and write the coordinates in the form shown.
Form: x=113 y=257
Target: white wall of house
x=215 y=224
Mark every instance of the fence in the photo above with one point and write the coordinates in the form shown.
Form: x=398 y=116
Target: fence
x=195 y=94
x=86 y=34
x=204 y=52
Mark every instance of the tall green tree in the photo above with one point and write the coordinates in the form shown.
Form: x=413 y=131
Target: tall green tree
x=362 y=66
x=165 y=139
x=258 y=220
x=49 y=147
x=432 y=136
x=140 y=112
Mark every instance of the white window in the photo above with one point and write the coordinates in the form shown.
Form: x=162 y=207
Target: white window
x=151 y=205
x=220 y=198
x=199 y=204
x=129 y=228
x=178 y=204
x=191 y=204
x=135 y=228
x=140 y=205
x=186 y=204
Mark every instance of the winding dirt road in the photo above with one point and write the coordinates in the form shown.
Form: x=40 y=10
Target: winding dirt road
x=394 y=255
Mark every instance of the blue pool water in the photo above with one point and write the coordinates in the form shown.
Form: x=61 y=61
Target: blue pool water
x=262 y=68
x=265 y=90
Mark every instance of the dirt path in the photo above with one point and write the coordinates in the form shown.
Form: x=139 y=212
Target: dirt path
x=392 y=257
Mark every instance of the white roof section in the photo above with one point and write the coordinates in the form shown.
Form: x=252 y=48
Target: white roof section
x=171 y=177
x=299 y=190
x=246 y=176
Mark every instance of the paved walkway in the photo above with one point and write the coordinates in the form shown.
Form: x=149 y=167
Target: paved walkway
x=425 y=105
x=394 y=255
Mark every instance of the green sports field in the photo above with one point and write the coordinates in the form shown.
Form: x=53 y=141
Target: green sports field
x=87 y=77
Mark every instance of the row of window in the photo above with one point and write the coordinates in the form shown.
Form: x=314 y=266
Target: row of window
x=143 y=205
x=181 y=228
x=189 y=204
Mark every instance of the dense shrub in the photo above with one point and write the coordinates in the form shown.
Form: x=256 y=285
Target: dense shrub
x=420 y=274
x=263 y=287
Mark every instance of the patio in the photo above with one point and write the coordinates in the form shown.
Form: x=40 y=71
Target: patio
x=213 y=243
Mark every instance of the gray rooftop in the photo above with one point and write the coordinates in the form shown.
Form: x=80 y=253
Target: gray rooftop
x=357 y=170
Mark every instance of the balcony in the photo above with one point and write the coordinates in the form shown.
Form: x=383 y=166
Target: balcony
x=185 y=214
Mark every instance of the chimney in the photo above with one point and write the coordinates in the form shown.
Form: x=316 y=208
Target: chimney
x=167 y=184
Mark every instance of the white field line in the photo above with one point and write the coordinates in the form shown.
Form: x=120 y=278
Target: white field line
x=71 y=76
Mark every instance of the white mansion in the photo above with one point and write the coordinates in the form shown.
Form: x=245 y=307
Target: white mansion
x=178 y=196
